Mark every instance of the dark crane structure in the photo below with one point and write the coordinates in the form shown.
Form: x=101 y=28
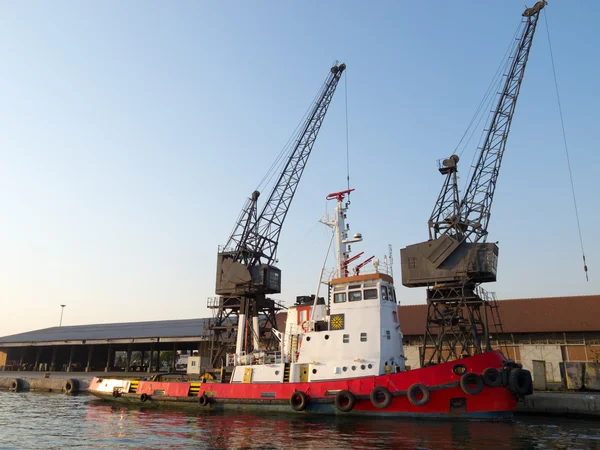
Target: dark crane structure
x=457 y=258
x=246 y=271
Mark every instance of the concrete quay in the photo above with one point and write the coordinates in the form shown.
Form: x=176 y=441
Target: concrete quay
x=55 y=382
x=561 y=404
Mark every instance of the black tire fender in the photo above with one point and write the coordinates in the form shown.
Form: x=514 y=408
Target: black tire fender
x=298 y=401
x=71 y=386
x=16 y=385
x=492 y=377
x=520 y=382
x=415 y=389
x=144 y=398
x=203 y=400
x=376 y=397
x=345 y=401
x=471 y=383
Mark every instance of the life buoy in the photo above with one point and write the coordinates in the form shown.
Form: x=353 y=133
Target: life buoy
x=492 y=377
x=298 y=401
x=16 y=385
x=415 y=390
x=305 y=326
x=144 y=398
x=381 y=397
x=345 y=401
x=71 y=386
x=203 y=400
x=520 y=382
x=471 y=383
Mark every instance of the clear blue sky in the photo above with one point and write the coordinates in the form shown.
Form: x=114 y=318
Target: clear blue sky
x=131 y=133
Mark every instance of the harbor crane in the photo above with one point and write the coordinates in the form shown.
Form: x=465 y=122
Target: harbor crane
x=246 y=265
x=457 y=259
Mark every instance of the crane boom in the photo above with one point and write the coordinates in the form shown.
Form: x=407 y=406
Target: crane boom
x=276 y=208
x=475 y=208
x=255 y=237
x=468 y=219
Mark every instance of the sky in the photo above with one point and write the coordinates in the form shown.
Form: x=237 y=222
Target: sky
x=132 y=132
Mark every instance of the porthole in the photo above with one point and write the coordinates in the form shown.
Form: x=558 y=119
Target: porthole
x=308 y=338
x=362 y=366
x=277 y=372
x=459 y=369
x=370 y=366
x=314 y=370
x=326 y=336
x=344 y=369
x=353 y=367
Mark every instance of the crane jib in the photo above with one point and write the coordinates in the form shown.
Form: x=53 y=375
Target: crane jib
x=467 y=219
x=253 y=242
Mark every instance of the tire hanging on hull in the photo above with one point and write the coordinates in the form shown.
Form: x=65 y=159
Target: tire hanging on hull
x=376 y=397
x=298 y=401
x=345 y=401
x=471 y=383
x=416 y=389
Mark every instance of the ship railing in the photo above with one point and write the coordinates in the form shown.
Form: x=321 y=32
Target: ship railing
x=376 y=267
x=260 y=357
x=379 y=267
x=329 y=218
x=213 y=302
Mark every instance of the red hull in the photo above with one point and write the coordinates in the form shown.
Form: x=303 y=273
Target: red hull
x=446 y=398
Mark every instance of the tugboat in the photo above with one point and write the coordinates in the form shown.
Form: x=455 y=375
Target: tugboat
x=343 y=356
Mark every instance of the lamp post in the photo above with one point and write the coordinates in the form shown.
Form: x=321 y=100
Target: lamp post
x=62 y=308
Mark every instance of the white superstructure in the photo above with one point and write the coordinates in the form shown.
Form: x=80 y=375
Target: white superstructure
x=355 y=333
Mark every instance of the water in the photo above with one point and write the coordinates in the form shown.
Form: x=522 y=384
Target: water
x=48 y=421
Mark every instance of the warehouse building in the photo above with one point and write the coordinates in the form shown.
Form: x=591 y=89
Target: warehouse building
x=544 y=331
x=138 y=346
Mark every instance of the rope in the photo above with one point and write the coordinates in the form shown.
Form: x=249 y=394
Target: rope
x=562 y=124
x=347 y=141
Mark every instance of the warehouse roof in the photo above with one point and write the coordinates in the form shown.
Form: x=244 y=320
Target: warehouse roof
x=149 y=331
x=526 y=315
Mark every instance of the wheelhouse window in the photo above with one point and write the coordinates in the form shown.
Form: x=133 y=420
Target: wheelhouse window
x=346 y=338
x=371 y=294
x=384 y=293
x=355 y=296
x=363 y=337
x=393 y=295
x=340 y=297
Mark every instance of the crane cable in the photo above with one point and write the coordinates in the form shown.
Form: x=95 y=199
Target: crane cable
x=562 y=124
x=489 y=94
x=347 y=141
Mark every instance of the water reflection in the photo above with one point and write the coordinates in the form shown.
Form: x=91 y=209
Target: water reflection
x=33 y=420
